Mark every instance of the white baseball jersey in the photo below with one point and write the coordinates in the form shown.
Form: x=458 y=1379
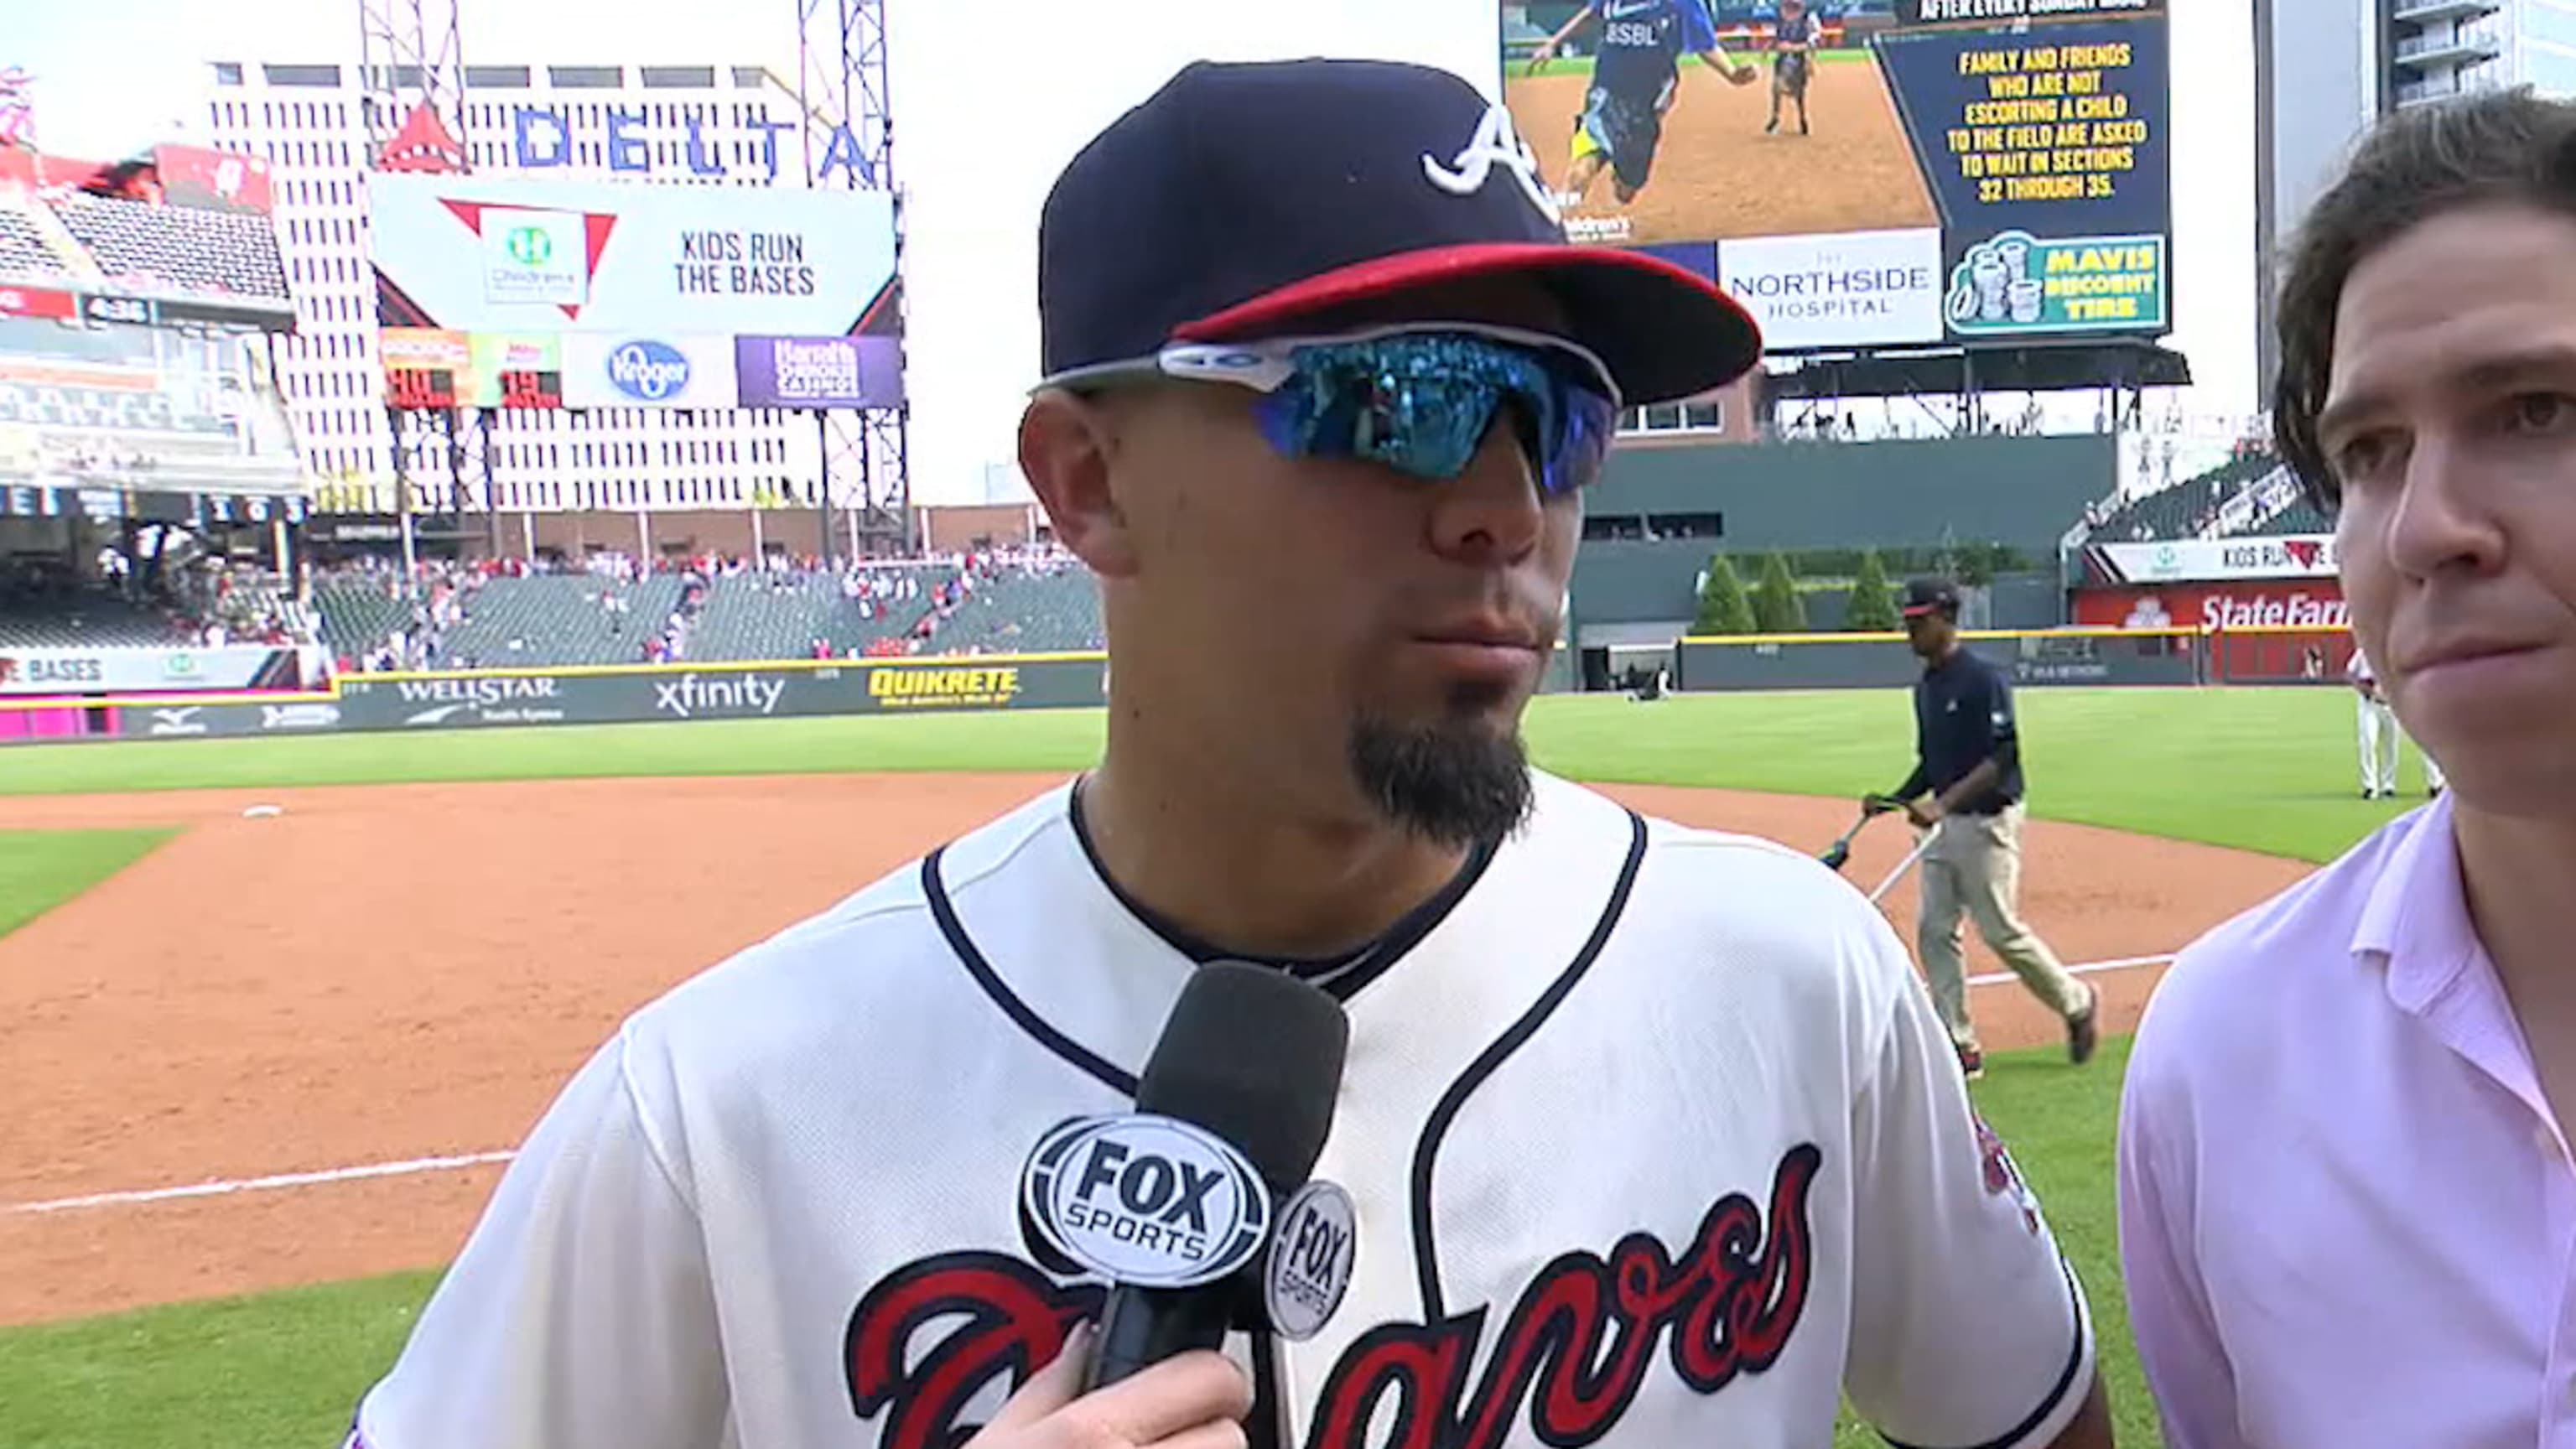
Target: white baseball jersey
x=1651 y=1132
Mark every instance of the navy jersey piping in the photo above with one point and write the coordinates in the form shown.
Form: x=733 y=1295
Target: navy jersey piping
x=945 y=915
x=1426 y=1152
x=2056 y=1395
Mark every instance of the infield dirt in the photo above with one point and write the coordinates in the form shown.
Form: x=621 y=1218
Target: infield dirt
x=1717 y=176
x=390 y=973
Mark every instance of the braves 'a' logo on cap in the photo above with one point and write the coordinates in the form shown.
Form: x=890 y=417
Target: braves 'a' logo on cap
x=1494 y=144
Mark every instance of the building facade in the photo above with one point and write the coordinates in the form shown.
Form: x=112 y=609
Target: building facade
x=2325 y=70
x=630 y=479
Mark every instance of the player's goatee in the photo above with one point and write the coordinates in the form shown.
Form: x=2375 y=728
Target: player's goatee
x=1452 y=783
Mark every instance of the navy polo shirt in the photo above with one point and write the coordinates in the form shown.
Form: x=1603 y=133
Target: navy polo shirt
x=1963 y=716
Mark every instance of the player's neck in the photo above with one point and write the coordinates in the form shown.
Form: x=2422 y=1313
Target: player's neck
x=1245 y=873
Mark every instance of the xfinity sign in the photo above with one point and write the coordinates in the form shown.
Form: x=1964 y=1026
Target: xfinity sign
x=689 y=696
x=1850 y=289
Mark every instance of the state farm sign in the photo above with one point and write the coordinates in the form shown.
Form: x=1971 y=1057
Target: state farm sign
x=2272 y=605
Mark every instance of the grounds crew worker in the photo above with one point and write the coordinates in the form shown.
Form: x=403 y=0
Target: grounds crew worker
x=1969 y=755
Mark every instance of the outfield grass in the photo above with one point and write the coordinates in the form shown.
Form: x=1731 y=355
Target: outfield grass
x=2263 y=769
x=286 y=1368
x=41 y=869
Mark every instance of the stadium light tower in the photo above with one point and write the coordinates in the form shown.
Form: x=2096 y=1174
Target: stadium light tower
x=412 y=97
x=849 y=140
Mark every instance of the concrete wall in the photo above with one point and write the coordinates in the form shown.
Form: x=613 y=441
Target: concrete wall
x=2022 y=491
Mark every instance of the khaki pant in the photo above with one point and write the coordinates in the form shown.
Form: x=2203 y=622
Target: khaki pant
x=1973 y=869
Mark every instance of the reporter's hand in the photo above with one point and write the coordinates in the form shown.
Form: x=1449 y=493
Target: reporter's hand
x=1192 y=1401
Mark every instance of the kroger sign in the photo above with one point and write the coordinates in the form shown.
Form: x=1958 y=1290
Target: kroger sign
x=648 y=371
x=541 y=139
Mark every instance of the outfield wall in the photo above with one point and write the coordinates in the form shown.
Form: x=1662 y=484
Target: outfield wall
x=2143 y=658
x=615 y=694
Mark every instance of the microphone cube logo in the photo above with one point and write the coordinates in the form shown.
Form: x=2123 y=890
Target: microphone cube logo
x=1311 y=1258
x=1146 y=1199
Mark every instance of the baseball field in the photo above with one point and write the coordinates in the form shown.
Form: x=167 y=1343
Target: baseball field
x=264 y=1067
x=1717 y=174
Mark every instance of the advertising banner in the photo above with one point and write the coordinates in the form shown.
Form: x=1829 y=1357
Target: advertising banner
x=2047 y=156
x=648 y=371
x=144 y=671
x=536 y=255
x=2026 y=138
x=1853 y=289
x=37 y=302
x=2293 y=556
x=480 y=700
x=819 y=372
x=2272 y=604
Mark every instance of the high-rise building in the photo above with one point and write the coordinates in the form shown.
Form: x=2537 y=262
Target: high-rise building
x=636 y=479
x=2325 y=70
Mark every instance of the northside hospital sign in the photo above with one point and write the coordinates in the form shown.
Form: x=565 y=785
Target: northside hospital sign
x=541 y=140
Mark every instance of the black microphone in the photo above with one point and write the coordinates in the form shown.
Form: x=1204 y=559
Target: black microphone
x=1254 y=1056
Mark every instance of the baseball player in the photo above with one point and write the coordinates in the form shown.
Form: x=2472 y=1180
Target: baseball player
x=2380 y=735
x=1794 y=38
x=1968 y=752
x=782 y=1205
x=1636 y=77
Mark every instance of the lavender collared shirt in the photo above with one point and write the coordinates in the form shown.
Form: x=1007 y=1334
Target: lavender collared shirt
x=2346 y=1212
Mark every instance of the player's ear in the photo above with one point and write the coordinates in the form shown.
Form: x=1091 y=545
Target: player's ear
x=1067 y=447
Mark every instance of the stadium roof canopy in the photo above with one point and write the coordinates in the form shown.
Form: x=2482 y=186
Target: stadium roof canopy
x=2061 y=367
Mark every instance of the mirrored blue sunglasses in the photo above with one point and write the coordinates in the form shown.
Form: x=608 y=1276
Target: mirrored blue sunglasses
x=1420 y=400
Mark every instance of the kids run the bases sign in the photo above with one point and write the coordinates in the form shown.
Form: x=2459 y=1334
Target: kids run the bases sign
x=519 y=255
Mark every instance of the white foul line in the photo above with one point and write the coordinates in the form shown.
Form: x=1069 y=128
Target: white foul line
x=422 y=1165
x=2124 y=963
x=264 y=1184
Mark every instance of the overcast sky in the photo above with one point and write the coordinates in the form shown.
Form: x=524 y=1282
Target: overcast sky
x=991 y=99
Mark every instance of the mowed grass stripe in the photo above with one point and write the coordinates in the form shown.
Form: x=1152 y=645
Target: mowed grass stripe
x=41 y=869
x=2259 y=769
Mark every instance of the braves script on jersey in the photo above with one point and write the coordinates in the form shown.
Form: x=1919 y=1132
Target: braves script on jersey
x=1650 y=1139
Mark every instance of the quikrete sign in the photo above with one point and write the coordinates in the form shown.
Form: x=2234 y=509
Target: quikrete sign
x=912 y=687
x=1146 y=1199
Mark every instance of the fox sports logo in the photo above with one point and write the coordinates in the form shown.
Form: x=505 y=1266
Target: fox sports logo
x=648 y=371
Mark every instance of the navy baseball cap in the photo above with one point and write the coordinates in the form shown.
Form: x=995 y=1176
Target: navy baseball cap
x=1931 y=596
x=1244 y=198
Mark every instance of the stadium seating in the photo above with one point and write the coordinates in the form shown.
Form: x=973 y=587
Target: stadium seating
x=177 y=248
x=23 y=252
x=2301 y=517
x=558 y=619
x=2184 y=509
x=546 y=620
x=764 y=616
x=358 y=613
x=1026 y=613
x=92 y=621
